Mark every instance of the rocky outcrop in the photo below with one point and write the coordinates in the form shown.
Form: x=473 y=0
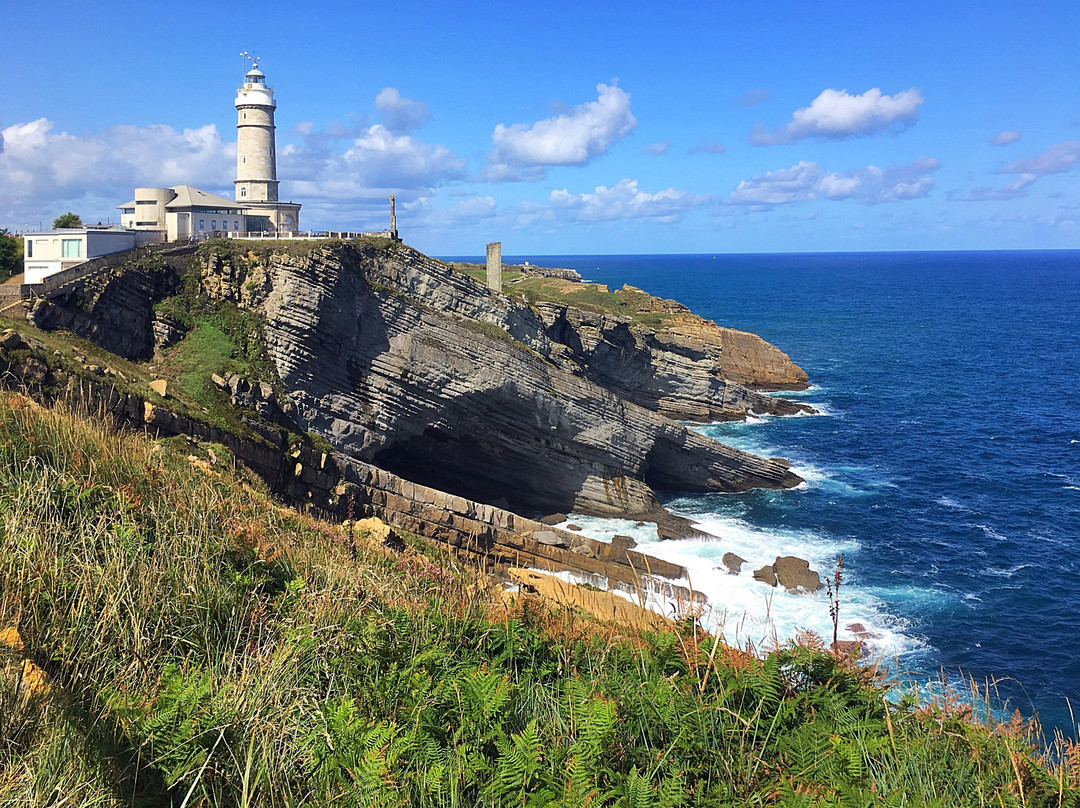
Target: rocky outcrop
x=790 y=572
x=347 y=489
x=687 y=370
x=749 y=360
x=733 y=563
x=404 y=364
x=115 y=309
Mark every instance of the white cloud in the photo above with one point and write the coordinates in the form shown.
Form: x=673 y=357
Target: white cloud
x=573 y=138
x=1059 y=158
x=1005 y=138
x=42 y=169
x=657 y=148
x=984 y=193
x=707 y=147
x=623 y=201
x=466 y=213
x=37 y=162
x=400 y=114
x=838 y=114
x=796 y=184
x=807 y=181
x=377 y=161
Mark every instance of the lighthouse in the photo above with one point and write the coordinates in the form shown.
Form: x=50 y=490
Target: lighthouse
x=256 y=164
x=256 y=157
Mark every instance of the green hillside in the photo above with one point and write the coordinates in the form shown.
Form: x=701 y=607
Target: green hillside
x=171 y=636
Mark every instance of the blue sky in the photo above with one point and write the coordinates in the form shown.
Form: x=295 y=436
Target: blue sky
x=571 y=127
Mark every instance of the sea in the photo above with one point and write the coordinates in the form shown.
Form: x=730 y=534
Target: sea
x=944 y=466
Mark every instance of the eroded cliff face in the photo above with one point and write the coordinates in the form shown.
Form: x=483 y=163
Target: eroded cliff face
x=688 y=364
x=685 y=371
x=403 y=363
x=116 y=308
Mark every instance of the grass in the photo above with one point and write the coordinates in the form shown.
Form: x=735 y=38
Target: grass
x=195 y=643
x=640 y=307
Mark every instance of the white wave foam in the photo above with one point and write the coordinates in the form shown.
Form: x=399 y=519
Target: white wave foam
x=747 y=611
x=952 y=504
x=813 y=389
x=1004 y=572
x=821 y=411
x=990 y=532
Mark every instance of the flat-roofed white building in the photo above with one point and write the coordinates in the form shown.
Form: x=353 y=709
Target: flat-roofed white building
x=47 y=252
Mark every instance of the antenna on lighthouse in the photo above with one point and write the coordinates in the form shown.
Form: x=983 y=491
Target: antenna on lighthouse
x=243 y=62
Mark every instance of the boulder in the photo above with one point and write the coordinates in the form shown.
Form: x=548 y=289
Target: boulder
x=11 y=340
x=733 y=563
x=794 y=573
x=862 y=632
x=766 y=575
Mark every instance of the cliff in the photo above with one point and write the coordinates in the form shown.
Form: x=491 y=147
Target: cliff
x=684 y=369
x=399 y=362
x=403 y=363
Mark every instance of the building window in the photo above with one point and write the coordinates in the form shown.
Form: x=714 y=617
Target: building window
x=71 y=248
x=213 y=224
x=29 y=248
x=243 y=192
x=243 y=159
x=201 y=225
x=236 y=225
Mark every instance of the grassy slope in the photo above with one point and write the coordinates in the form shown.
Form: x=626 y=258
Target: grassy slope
x=641 y=307
x=205 y=646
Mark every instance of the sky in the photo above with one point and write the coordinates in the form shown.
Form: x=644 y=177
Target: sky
x=570 y=127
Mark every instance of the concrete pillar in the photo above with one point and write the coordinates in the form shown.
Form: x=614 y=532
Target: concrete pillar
x=494 y=266
x=393 y=217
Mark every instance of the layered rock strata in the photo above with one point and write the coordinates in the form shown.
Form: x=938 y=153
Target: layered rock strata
x=345 y=488
x=400 y=362
x=404 y=364
x=681 y=371
x=115 y=309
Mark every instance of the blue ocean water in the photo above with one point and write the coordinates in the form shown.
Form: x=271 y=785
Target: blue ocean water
x=946 y=465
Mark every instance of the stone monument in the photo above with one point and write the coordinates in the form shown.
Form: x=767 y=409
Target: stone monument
x=494 y=266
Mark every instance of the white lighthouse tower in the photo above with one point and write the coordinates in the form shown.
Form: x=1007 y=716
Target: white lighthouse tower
x=256 y=157
x=256 y=165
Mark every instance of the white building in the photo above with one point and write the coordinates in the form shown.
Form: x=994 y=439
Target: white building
x=47 y=252
x=183 y=212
